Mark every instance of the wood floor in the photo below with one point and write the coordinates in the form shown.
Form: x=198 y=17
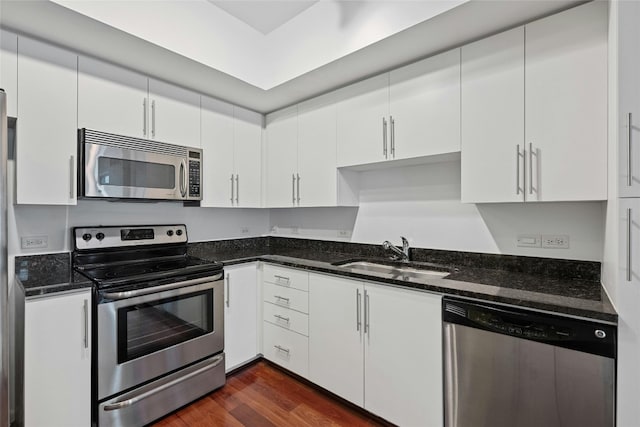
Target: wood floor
x=262 y=395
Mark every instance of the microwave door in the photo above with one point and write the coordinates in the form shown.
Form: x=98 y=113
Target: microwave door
x=114 y=172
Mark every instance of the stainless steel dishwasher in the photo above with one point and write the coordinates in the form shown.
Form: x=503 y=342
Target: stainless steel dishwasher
x=508 y=367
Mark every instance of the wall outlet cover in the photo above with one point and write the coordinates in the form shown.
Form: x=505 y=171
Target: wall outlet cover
x=34 y=242
x=555 y=241
x=528 y=240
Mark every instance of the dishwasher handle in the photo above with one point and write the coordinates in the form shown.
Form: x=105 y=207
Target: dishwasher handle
x=576 y=334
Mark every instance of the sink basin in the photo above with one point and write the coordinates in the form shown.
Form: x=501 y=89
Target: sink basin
x=395 y=271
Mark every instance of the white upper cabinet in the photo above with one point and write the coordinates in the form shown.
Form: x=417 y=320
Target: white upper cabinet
x=231 y=143
x=116 y=100
x=493 y=119
x=218 y=173
x=363 y=122
x=424 y=107
x=554 y=75
x=9 y=70
x=247 y=133
x=111 y=99
x=282 y=158
x=174 y=114
x=629 y=98
x=566 y=105
x=47 y=126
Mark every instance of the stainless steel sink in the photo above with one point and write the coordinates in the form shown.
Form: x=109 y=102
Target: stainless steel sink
x=401 y=272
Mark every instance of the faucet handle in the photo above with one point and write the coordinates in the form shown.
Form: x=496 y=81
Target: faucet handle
x=405 y=242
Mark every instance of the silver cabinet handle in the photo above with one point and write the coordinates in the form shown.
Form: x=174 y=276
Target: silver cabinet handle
x=298 y=185
x=72 y=177
x=384 y=137
x=283 y=278
x=237 y=189
x=285 y=350
x=153 y=118
x=232 y=190
x=284 y=319
x=358 y=302
x=293 y=188
x=393 y=136
x=85 y=311
x=530 y=168
x=628 y=244
x=215 y=361
x=518 y=169
x=228 y=292
x=366 y=312
x=629 y=160
x=144 y=117
x=279 y=298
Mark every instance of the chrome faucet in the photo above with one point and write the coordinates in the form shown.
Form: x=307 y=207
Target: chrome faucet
x=401 y=255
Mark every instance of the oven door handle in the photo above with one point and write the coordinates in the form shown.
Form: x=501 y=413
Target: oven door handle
x=125 y=403
x=167 y=287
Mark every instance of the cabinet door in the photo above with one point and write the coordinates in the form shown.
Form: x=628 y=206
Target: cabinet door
x=46 y=146
x=566 y=104
x=629 y=98
x=175 y=114
x=424 y=107
x=57 y=361
x=247 y=131
x=240 y=315
x=282 y=158
x=217 y=153
x=336 y=336
x=9 y=70
x=317 y=152
x=363 y=122
x=403 y=356
x=492 y=163
x=112 y=99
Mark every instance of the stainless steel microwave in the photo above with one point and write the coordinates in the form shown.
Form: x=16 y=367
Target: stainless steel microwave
x=122 y=167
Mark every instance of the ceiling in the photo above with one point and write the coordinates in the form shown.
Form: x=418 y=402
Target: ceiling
x=265 y=55
x=264 y=16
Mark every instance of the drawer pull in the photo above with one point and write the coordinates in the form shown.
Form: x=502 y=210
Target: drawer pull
x=282 y=349
x=283 y=278
x=279 y=298
x=284 y=319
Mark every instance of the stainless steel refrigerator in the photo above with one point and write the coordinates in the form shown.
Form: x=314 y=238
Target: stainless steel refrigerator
x=4 y=283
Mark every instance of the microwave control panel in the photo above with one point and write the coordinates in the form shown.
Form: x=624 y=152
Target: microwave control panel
x=194 y=178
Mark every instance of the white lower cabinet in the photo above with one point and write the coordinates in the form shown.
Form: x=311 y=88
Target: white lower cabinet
x=379 y=347
x=240 y=315
x=285 y=309
x=57 y=361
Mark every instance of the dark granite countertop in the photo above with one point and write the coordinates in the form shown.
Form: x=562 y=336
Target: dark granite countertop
x=560 y=286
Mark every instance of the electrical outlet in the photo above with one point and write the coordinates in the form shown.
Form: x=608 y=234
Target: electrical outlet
x=552 y=241
x=34 y=242
x=244 y=230
x=344 y=233
x=529 y=240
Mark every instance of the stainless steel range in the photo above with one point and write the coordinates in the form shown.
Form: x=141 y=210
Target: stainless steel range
x=158 y=321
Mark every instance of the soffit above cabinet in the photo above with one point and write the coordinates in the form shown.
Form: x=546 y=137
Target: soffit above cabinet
x=225 y=49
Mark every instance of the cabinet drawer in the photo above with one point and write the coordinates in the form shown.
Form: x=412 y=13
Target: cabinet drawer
x=286 y=297
x=285 y=318
x=288 y=277
x=286 y=348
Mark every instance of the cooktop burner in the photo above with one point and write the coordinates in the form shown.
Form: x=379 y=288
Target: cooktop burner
x=133 y=256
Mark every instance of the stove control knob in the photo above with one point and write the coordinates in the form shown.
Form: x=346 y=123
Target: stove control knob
x=178 y=232
x=86 y=237
x=169 y=233
x=100 y=236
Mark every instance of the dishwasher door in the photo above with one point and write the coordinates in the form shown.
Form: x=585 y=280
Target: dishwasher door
x=513 y=368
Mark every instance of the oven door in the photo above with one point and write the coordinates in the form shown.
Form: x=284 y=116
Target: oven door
x=142 y=337
x=125 y=173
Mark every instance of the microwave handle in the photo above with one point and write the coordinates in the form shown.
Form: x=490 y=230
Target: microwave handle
x=183 y=179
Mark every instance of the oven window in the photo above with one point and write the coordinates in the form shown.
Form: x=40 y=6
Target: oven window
x=149 y=327
x=133 y=173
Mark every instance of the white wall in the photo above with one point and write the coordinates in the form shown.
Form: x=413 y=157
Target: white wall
x=423 y=204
